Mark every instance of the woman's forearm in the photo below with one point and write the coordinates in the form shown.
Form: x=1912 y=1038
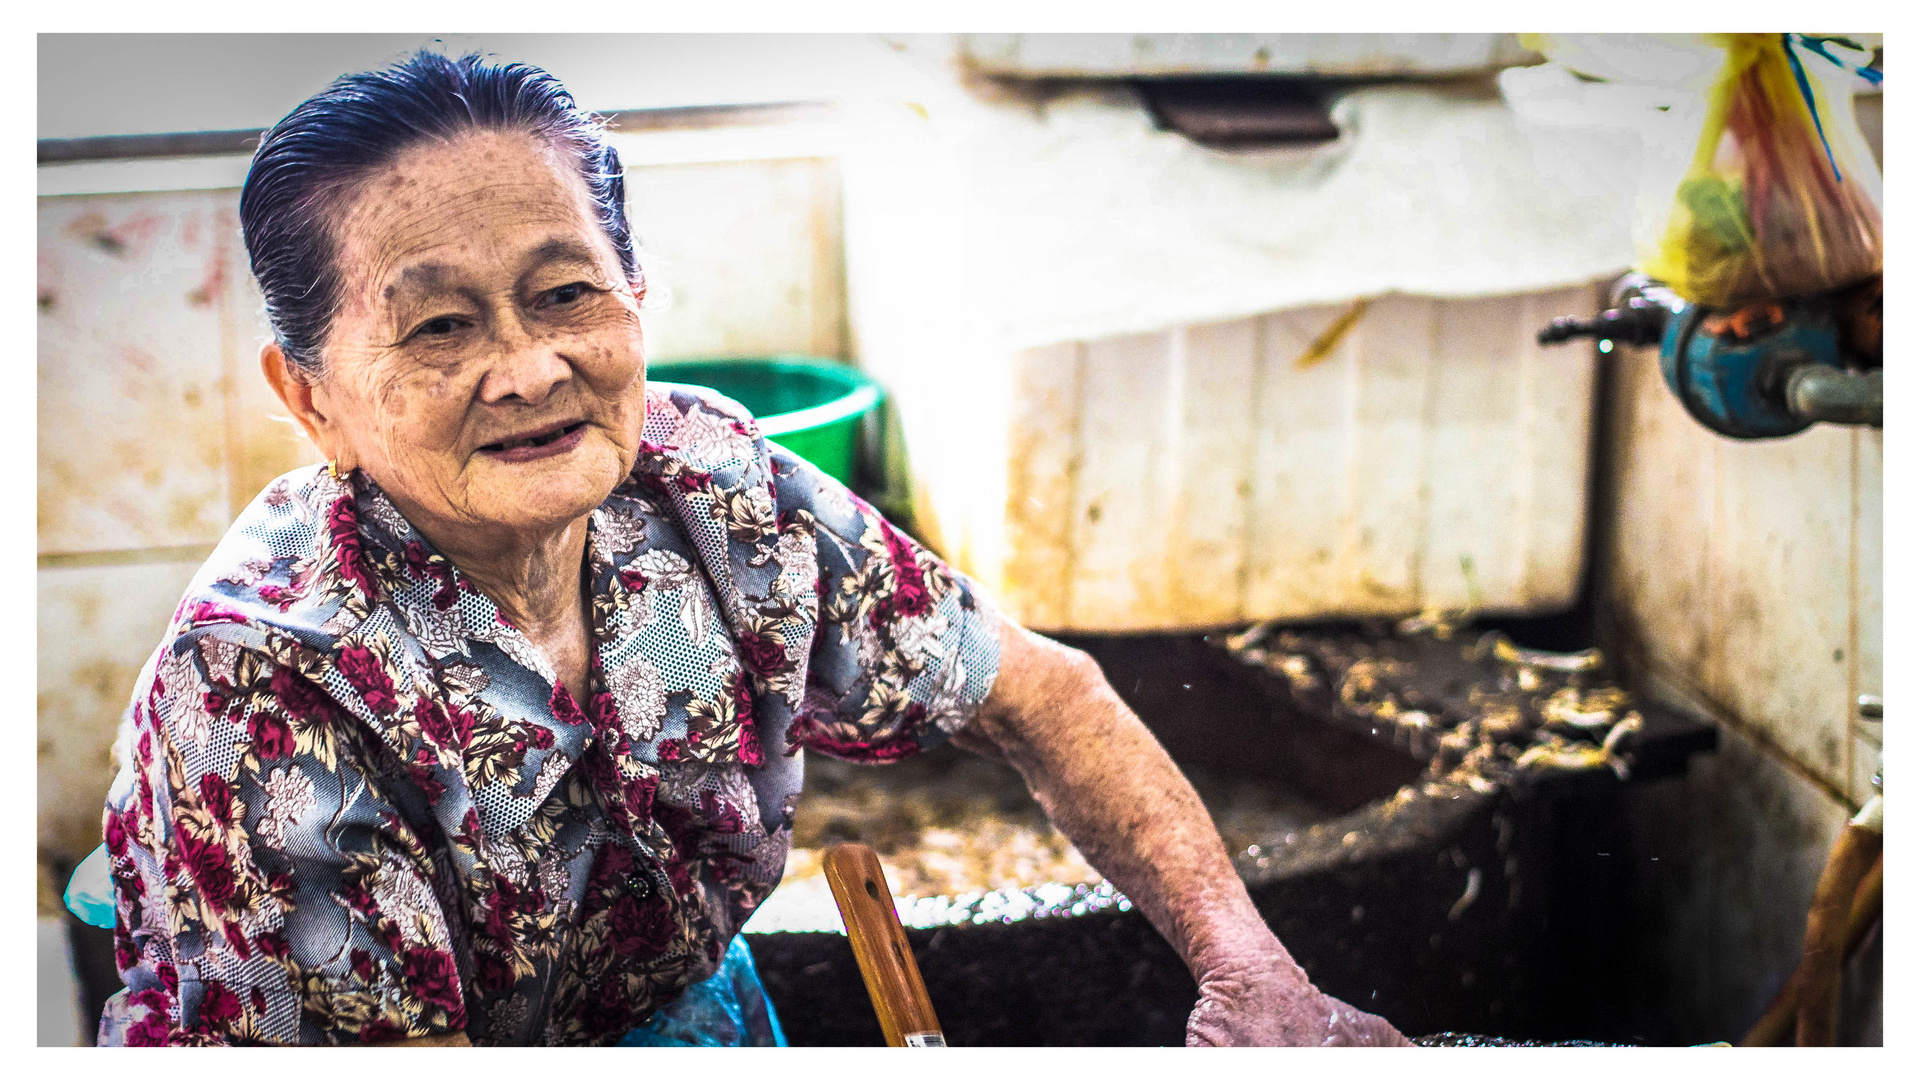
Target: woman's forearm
x=1109 y=786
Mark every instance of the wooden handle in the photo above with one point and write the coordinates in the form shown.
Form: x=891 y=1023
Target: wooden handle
x=1823 y=953
x=1846 y=904
x=880 y=947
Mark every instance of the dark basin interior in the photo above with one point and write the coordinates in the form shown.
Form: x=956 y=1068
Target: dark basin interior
x=1103 y=978
x=1493 y=913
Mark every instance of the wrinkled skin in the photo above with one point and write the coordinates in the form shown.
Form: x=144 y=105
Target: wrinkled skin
x=1271 y=1003
x=1110 y=787
x=481 y=301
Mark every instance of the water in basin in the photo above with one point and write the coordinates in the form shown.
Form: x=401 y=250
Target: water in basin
x=951 y=824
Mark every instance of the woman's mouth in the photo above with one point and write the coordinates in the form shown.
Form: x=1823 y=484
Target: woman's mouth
x=549 y=443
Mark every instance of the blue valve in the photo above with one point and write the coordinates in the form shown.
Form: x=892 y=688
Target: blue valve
x=1762 y=373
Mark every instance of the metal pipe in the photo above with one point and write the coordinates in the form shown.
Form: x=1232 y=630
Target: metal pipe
x=1818 y=392
x=247 y=140
x=1637 y=321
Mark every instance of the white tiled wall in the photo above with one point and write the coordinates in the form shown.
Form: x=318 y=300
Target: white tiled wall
x=134 y=293
x=1748 y=572
x=97 y=624
x=1745 y=580
x=1436 y=456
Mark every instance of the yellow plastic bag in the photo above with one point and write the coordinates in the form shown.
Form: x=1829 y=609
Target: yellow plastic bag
x=1782 y=195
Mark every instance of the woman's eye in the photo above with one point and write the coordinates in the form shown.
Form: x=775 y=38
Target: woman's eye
x=438 y=329
x=567 y=294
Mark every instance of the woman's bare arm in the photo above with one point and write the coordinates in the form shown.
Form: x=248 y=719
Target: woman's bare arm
x=1109 y=786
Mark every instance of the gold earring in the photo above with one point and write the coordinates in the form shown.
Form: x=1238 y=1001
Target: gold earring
x=332 y=469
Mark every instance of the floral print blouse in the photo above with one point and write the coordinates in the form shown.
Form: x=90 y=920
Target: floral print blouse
x=356 y=805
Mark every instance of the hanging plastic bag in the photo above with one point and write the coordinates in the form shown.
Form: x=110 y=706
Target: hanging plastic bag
x=1782 y=197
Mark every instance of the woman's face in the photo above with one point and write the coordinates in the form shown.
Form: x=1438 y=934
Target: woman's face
x=485 y=368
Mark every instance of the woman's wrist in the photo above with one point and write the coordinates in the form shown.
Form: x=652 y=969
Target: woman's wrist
x=1242 y=953
x=1217 y=929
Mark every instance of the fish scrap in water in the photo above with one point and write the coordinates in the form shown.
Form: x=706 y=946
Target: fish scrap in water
x=1481 y=715
x=961 y=841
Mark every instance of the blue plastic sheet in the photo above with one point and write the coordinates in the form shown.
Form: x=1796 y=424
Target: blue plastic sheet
x=90 y=890
x=728 y=1009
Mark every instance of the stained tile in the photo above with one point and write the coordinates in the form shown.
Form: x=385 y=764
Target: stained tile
x=1129 y=424
x=1730 y=857
x=1273 y=468
x=1211 y=501
x=1661 y=522
x=1298 y=468
x=1557 y=396
x=1043 y=468
x=1782 y=594
x=1391 y=353
x=1477 y=518
x=1734 y=568
x=1869 y=607
x=132 y=435
x=97 y=626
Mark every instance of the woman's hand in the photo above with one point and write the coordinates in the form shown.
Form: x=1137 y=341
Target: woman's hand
x=1275 y=1005
x=1108 y=785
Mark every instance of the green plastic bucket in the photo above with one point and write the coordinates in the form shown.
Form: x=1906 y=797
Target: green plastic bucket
x=812 y=407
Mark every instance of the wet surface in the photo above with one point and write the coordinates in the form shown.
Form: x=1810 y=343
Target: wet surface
x=1447 y=888
x=963 y=842
x=945 y=822
x=950 y=822
x=1454 y=1038
x=1477 y=708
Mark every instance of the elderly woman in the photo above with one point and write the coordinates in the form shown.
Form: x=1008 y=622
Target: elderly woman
x=489 y=730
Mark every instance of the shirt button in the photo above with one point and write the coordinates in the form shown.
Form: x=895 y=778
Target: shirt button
x=639 y=885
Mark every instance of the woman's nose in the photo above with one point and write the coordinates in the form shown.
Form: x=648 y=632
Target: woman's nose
x=528 y=367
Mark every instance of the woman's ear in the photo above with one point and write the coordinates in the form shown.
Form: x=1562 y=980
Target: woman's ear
x=295 y=391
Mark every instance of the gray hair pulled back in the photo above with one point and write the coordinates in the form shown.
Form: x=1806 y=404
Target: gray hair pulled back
x=364 y=121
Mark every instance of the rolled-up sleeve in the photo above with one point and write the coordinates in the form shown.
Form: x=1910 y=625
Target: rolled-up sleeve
x=905 y=647
x=269 y=887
